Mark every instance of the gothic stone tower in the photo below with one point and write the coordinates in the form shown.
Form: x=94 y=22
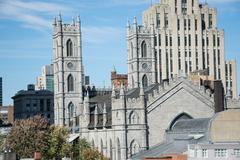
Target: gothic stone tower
x=68 y=73
x=141 y=58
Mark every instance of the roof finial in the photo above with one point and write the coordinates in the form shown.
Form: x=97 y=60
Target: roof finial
x=55 y=21
x=135 y=20
x=59 y=17
x=73 y=21
x=78 y=19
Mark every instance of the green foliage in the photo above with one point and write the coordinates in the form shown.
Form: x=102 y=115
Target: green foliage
x=34 y=134
x=2 y=142
x=57 y=143
x=92 y=154
x=28 y=136
x=81 y=150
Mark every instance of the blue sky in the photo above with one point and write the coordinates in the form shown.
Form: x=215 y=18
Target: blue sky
x=26 y=36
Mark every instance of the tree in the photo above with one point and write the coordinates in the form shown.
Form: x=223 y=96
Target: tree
x=28 y=136
x=92 y=154
x=82 y=150
x=2 y=142
x=58 y=146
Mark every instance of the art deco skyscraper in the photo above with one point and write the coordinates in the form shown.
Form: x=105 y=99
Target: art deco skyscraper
x=176 y=37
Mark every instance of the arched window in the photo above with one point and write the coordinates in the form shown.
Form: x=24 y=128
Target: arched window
x=179 y=117
x=92 y=144
x=118 y=150
x=70 y=83
x=144 y=49
x=144 y=81
x=131 y=50
x=133 y=118
x=111 y=149
x=132 y=82
x=101 y=149
x=71 y=110
x=69 y=48
x=134 y=147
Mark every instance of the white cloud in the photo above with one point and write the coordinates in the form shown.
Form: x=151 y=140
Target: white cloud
x=30 y=14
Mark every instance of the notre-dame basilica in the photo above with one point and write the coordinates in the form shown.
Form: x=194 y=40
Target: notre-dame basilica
x=122 y=122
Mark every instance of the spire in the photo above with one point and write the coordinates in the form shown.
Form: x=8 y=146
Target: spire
x=114 y=69
x=78 y=19
x=104 y=114
x=113 y=92
x=73 y=21
x=87 y=96
x=55 y=21
x=128 y=24
x=60 y=17
x=122 y=90
x=135 y=20
x=141 y=91
x=104 y=108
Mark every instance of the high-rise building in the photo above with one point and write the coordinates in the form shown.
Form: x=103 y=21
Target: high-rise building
x=45 y=81
x=176 y=37
x=68 y=72
x=1 y=103
x=231 y=79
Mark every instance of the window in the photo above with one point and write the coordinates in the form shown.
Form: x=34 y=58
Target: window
x=70 y=83
x=218 y=41
x=210 y=20
x=179 y=41
x=189 y=24
x=118 y=150
x=144 y=49
x=204 y=153
x=196 y=40
x=48 y=104
x=133 y=118
x=220 y=153
x=207 y=41
x=144 y=81
x=41 y=105
x=178 y=24
x=170 y=41
x=69 y=48
x=185 y=24
x=131 y=50
x=237 y=152
x=196 y=24
x=158 y=20
x=166 y=40
x=214 y=40
x=189 y=40
x=71 y=110
x=166 y=20
x=185 y=41
x=134 y=148
x=159 y=39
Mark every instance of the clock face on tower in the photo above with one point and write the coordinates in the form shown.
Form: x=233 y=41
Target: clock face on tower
x=144 y=66
x=70 y=65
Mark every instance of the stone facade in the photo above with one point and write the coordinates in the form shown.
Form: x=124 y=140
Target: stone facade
x=231 y=79
x=125 y=121
x=68 y=73
x=176 y=37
